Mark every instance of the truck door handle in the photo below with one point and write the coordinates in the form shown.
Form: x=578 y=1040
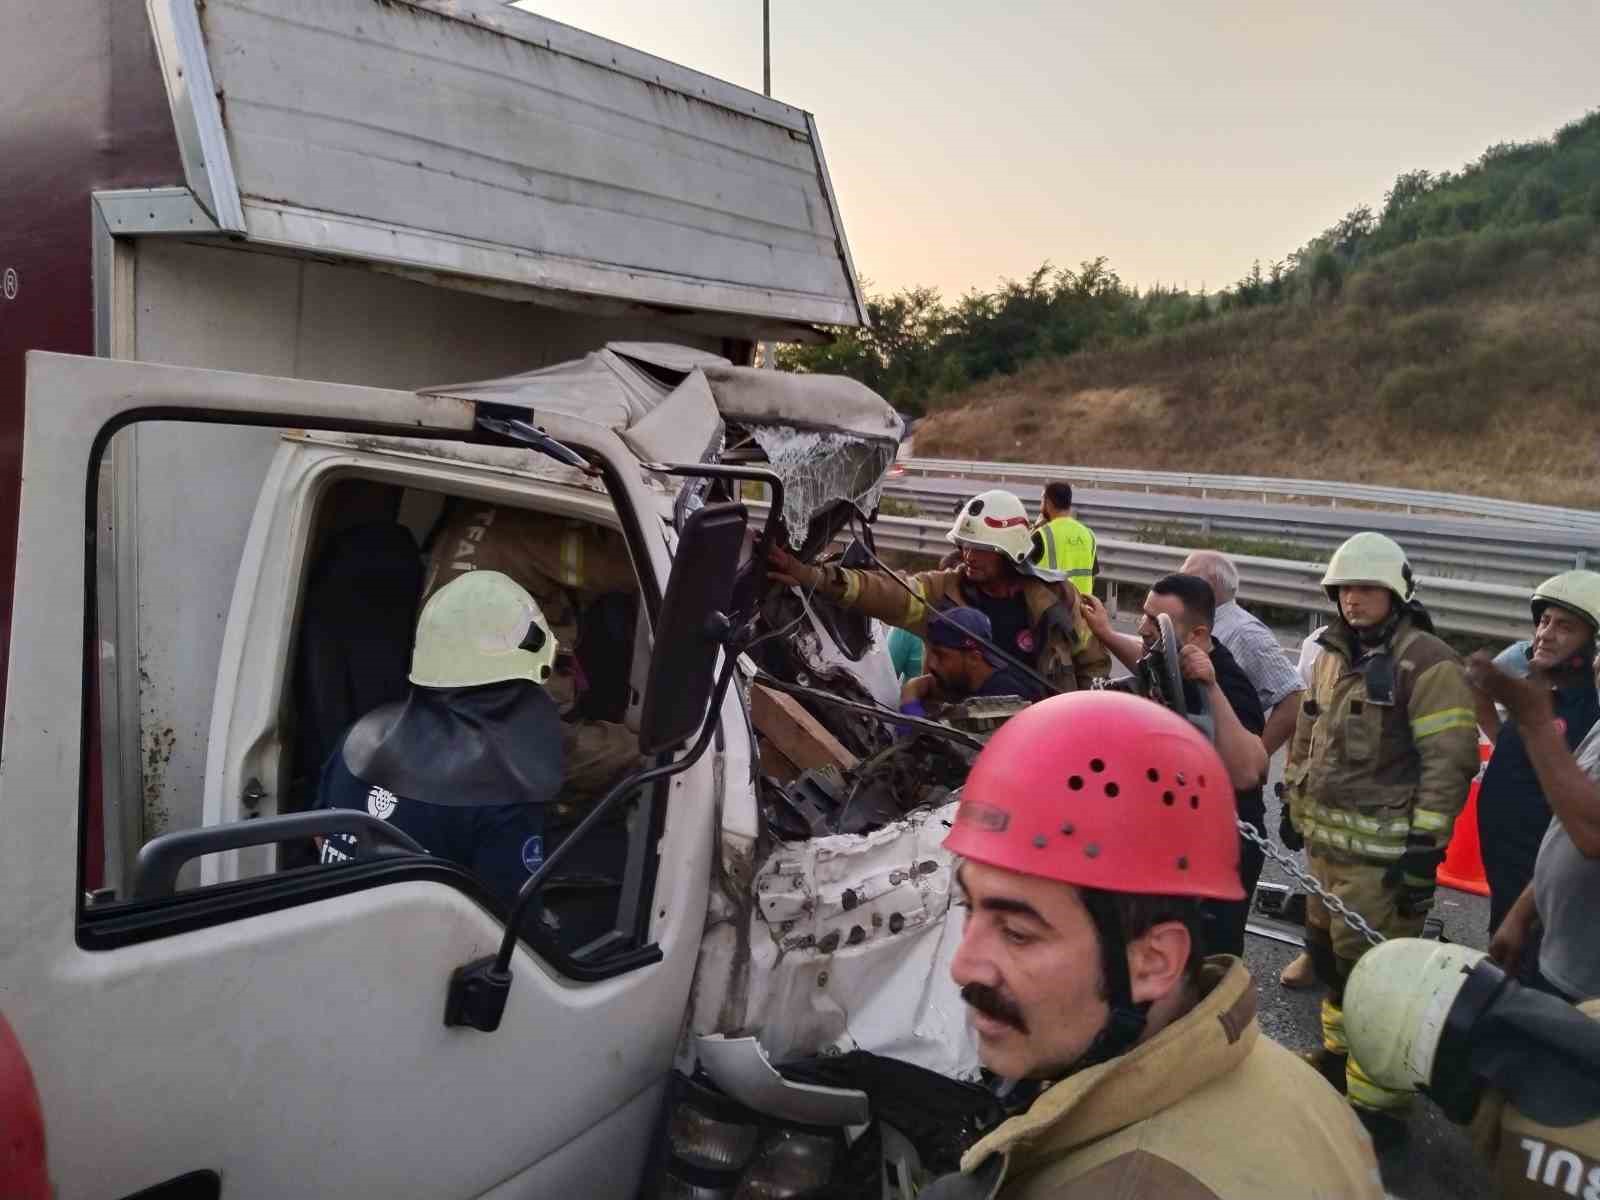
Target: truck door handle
x=155 y=871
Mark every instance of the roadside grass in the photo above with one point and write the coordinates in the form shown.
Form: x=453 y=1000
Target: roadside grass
x=1463 y=364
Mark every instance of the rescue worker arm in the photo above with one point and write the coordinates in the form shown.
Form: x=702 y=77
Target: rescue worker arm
x=1090 y=662
x=1239 y=749
x=1574 y=798
x=869 y=592
x=1126 y=648
x=1281 y=722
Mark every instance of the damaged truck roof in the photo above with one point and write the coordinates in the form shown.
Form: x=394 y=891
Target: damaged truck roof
x=827 y=436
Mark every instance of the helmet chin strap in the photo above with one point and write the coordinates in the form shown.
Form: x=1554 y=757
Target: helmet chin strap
x=1126 y=1021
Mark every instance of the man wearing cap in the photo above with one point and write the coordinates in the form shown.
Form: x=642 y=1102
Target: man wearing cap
x=1032 y=620
x=1090 y=829
x=960 y=666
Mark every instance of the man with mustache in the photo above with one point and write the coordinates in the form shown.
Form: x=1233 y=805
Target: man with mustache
x=1089 y=831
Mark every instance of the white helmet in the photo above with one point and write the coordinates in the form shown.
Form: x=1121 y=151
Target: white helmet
x=1576 y=591
x=1395 y=1006
x=993 y=520
x=481 y=627
x=1371 y=560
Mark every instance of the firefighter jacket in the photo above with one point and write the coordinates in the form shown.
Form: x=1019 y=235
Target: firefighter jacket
x=1534 y=1160
x=1066 y=653
x=1069 y=548
x=1385 y=749
x=1206 y=1109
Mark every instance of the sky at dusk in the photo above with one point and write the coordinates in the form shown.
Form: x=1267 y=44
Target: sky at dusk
x=970 y=142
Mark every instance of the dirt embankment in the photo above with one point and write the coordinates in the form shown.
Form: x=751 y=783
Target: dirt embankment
x=1491 y=390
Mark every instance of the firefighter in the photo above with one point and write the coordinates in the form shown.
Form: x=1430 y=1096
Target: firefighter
x=1064 y=548
x=1089 y=831
x=469 y=761
x=1383 y=754
x=580 y=576
x=1522 y=1066
x=1031 y=620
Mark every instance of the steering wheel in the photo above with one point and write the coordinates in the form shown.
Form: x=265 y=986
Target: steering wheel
x=1163 y=680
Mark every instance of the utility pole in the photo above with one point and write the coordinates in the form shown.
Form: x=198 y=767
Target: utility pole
x=766 y=47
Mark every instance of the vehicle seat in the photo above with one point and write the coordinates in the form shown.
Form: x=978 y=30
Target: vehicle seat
x=356 y=630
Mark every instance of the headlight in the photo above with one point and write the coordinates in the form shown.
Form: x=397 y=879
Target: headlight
x=673 y=1188
x=788 y=1164
x=703 y=1141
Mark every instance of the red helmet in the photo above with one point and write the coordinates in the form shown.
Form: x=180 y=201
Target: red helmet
x=1103 y=790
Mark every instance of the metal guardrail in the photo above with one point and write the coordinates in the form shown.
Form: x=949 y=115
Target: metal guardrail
x=1406 y=499
x=1456 y=605
x=1471 y=548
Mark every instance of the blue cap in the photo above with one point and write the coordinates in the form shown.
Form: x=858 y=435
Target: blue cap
x=956 y=631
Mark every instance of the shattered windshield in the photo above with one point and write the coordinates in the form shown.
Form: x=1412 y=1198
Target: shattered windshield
x=821 y=467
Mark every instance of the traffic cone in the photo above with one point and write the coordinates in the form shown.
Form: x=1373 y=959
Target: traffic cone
x=1463 y=858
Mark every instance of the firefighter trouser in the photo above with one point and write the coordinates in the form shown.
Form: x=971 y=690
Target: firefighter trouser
x=1334 y=947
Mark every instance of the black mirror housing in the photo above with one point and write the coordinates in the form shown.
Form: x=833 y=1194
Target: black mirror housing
x=694 y=625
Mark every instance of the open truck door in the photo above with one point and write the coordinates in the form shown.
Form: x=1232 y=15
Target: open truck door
x=285 y=1032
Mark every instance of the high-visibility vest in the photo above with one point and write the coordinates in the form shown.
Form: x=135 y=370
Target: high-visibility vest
x=1069 y=549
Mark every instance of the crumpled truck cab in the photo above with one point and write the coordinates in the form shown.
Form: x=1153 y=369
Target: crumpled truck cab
x=222 y=569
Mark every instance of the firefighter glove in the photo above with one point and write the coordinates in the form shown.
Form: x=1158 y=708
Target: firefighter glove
x=1414 y=877
x=1291 y=837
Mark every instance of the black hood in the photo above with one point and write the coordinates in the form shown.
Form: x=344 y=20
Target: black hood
x=462 y=747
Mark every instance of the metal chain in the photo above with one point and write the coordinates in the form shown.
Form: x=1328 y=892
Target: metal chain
x=1296 y=872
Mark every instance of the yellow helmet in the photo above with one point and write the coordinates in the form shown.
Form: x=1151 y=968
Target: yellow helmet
x=1395 y=1004
x=1576 y=591
x=1370 y=560
x=481 y=627
x=993 y=520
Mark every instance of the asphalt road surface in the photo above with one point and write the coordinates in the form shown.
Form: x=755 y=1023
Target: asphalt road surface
x=1437 y=1162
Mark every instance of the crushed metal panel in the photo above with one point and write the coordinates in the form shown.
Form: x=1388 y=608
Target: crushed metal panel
x=500 y=145
x=844 y=943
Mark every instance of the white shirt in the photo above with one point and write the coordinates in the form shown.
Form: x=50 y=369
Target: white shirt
x=1258 y=654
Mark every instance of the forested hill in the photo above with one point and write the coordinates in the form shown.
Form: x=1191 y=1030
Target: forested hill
x=1450 y=340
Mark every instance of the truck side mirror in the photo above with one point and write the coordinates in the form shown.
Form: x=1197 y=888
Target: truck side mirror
x=693 y=625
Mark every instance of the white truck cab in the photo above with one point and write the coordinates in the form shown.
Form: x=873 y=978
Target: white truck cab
x=278 y=1025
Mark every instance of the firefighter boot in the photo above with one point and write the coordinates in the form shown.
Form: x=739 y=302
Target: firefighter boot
x=1332 y=1061
x=1384 y=1111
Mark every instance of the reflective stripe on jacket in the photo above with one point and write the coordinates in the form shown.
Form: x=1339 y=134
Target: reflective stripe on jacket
x=1069 y=550
x=1366 y=775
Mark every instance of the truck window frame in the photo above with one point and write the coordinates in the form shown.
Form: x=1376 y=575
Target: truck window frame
x=128 y=922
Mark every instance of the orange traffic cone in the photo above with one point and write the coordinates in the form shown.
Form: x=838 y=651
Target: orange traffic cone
x=1463 y=858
